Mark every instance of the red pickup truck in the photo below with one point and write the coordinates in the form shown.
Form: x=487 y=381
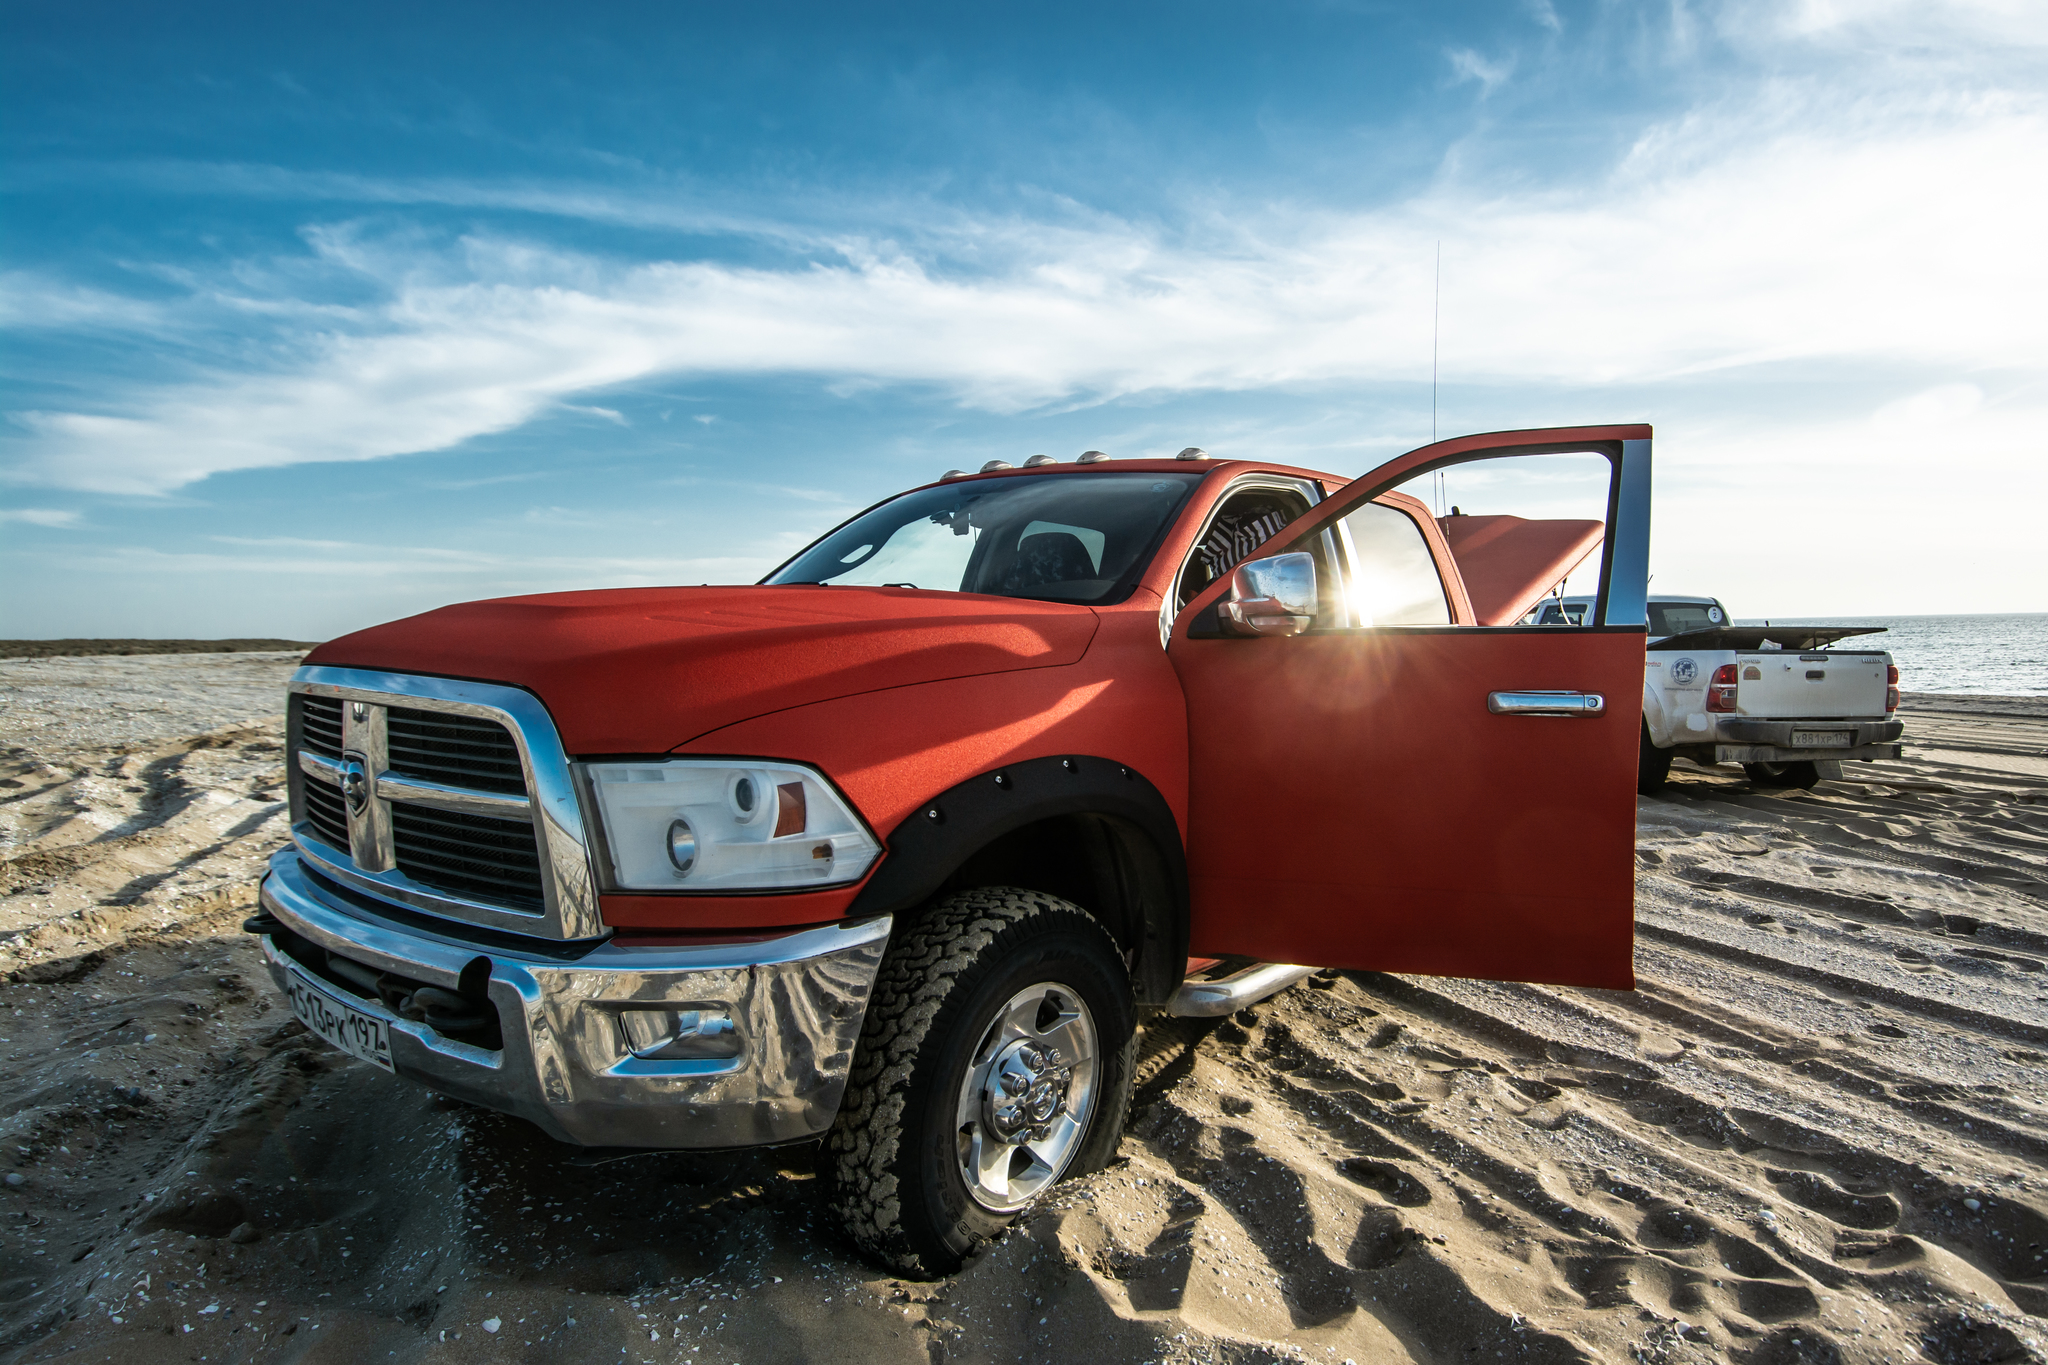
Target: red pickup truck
x=898 y=847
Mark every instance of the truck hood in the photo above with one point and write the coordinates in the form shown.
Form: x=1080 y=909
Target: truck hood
x=642 y=670
x=1509 y=563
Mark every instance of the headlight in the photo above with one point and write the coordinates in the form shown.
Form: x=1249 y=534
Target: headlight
x=710 y=824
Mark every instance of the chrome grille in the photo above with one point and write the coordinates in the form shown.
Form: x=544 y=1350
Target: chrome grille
x=461 y=751
x=326 y=813
x=470 y=855
x=320 y=728
x=416 y=789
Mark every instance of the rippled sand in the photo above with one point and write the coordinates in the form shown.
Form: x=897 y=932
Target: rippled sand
x=1816 y=1133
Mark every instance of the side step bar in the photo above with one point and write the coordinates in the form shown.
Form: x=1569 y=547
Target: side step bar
x=1229 y=994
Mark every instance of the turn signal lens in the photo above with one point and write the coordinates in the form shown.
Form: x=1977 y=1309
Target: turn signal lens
x=694 y=824
x=1721 y=691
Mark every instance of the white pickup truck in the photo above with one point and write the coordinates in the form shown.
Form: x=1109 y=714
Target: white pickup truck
x=1776 y=699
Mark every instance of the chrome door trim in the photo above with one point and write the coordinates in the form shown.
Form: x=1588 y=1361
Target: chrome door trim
x=568 y=885
x=1546 y=703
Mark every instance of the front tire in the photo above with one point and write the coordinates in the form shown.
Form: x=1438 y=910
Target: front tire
x=1802 y=774
x=996 y=1059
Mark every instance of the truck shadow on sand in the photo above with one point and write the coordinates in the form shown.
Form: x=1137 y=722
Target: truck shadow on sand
x=326 y=1179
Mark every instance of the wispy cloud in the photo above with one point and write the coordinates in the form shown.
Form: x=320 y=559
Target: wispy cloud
x=1876 y=233
x=612 y=415
x=1468 y=65
x=41 y=516
x=1545 y=14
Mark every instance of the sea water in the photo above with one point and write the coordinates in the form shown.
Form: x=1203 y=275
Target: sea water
x=1999 y=654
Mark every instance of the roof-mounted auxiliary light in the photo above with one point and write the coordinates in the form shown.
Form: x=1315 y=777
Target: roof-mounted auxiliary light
x=993 y=465
x=1038 y=460
x=1091 y=457
x=1193 y=453
x=953 y=474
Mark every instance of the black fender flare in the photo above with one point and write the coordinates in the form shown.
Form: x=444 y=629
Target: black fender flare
x=949 y=828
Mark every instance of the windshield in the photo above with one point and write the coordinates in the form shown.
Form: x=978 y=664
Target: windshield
x=1080 y=537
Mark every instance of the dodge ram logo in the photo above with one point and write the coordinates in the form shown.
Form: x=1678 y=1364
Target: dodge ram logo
x=1684 y=672
x=355 y=783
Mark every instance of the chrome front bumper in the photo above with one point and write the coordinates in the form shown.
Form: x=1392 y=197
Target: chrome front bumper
x=796 y=1000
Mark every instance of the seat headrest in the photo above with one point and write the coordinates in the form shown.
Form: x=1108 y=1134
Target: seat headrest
x=1049 y=557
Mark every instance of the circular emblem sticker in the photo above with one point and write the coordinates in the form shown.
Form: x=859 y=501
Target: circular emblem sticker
x=1714 y=615
x=1684 y=672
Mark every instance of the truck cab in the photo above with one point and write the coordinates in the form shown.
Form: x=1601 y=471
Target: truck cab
x=895 y=849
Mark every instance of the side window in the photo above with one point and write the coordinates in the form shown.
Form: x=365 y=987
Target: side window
x=1394 y=581
x=1524 y=531
x=1245 y=521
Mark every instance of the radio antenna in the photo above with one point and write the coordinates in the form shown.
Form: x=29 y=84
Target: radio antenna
x=1436 y=319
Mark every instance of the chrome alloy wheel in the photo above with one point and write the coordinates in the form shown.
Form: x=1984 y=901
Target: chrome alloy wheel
x=1027 y=1096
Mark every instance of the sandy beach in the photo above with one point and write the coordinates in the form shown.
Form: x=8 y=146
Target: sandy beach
x=1818 y=1132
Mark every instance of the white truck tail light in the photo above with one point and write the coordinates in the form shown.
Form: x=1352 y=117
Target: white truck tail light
x=1721 y=691
x=1891 y=689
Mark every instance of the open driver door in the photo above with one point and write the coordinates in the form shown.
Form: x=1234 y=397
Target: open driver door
x=1384 y=776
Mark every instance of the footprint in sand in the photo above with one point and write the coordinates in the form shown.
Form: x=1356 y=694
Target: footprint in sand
x=1394 y=1185
x=1868 y=1211
x=1674 y=1227
x=1658 y=1047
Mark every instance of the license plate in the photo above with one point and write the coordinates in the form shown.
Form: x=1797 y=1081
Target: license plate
x=1820 y=739
x=358 y=1034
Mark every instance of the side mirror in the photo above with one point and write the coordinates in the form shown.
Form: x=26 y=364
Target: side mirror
x=1271 y=596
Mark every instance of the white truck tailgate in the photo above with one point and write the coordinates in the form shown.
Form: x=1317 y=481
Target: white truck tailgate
x=1781 y=685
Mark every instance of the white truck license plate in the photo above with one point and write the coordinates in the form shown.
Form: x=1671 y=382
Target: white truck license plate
x=1820 y=739
x=356 y=1033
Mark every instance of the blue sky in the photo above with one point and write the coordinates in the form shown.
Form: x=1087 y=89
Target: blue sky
x=320 y=315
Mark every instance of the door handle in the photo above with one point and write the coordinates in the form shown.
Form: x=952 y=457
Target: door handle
x=1546 y=703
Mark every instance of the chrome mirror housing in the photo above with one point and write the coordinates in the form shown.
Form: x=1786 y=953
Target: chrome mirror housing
x=1272 y=596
